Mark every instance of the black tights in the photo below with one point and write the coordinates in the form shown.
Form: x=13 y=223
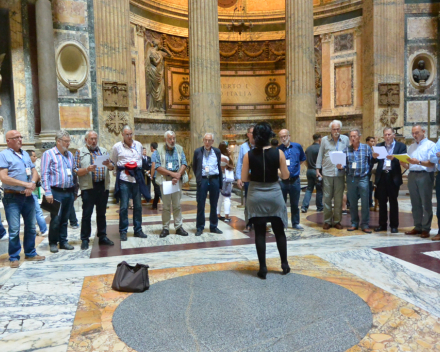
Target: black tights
x=260 y=238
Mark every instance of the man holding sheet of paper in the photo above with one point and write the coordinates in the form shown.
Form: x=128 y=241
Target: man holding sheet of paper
x=170 y=163
x=357 y=167
x=388 y=179
x=333 y=178
x=420 y=181
x=92 y=168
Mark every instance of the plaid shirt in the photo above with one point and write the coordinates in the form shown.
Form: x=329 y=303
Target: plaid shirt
x=362 y=157
x=97 y=176
x=171 y=156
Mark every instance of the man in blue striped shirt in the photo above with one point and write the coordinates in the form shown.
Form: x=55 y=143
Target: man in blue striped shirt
x=57 y=166
x=359 y=157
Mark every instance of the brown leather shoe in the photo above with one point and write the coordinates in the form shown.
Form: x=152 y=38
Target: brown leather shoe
x=326 y=226
x=37 y=258
x=14 y=264
x=367 y=230
x=413 y=232
x=352 y=228
x=338 y=226
x=425 y=234
x=436 y=238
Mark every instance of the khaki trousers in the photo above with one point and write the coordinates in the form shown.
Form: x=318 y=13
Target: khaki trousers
x=333 y=188
x=168 y=201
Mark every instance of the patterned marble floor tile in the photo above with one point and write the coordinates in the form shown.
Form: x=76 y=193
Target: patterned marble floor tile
x=434 y=254
x=410 y=282
x=47 y=340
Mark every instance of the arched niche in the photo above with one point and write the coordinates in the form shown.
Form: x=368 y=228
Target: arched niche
x=72 y=65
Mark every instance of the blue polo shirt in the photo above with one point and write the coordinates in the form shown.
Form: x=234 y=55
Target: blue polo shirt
x=9 y=159
x=295 y=153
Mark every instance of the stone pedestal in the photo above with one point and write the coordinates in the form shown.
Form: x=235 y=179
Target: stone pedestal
x=383 y=59
x=204 y=61
x=300 y=71
x=47 y=79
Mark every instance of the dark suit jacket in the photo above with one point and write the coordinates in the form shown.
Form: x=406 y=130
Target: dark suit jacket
x=198 y=160
x=396 y=171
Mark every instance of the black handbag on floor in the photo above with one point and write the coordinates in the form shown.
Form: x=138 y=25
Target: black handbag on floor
x=131 y=278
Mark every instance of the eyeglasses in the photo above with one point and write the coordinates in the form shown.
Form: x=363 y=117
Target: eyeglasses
x=15 y=138
x=65 y=140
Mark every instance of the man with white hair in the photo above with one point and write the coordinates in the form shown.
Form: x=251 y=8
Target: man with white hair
x=130 y=182
x=208 y=172
x=295 y=157
x=333 y=178
x=94 y=183
x=57 y=179
x=420 y=181
x=170 y=163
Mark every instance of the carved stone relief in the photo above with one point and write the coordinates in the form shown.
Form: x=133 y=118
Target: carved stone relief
x=115 y=121
x=115 y=94
x=389 y=94
x=388 y=117
x=273 y=90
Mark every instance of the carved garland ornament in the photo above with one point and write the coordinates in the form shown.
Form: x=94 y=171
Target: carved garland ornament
x=116 y=121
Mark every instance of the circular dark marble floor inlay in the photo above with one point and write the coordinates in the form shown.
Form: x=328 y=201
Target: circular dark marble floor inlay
x=236 y=311
x=405 y=219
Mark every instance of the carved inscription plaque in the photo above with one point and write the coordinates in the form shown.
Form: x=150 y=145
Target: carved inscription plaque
x=115 y=94
x=389 y=94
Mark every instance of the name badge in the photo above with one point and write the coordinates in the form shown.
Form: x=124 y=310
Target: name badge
x=288 y=162
x=206 y=169
x=28 y=171
x=354 y=165
x=388 y=163
x=69 y=172
x=170 y=165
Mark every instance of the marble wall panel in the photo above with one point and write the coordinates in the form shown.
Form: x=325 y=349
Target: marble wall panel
x=417 y=111
x=343 y=42
x=422 y=27
x=70 y=12
x=76 y=117
x=344 y=85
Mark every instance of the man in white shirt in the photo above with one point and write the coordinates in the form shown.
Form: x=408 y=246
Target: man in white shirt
x=420 y=181
x=127 y=156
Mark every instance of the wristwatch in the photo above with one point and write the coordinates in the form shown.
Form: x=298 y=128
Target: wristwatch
x=420 y=162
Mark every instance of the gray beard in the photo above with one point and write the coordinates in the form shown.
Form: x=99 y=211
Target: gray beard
x=92 y=148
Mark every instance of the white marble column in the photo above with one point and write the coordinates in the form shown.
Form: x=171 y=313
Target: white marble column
x=47 y=79
x=204 y=63
x=300 y=71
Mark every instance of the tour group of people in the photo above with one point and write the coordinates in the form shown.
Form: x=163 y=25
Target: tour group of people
x=266 y=169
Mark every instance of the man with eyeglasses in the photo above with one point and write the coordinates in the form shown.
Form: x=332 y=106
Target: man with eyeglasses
x=57 y=177
x=208 y=172
x=19 y=178
x=295 y=157
x=94 y=183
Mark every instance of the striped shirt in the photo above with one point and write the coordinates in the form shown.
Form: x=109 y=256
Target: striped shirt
x=97 y=176
x=122 y=154
x=361 y=158
x=54 y=170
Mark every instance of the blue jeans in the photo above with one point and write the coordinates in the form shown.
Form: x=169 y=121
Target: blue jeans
x=39 y=215
x=293 y=187
x=313 y=182
x=359 y=186
x=2 y=229
x=130 y=190
x=213 y=187
x=16 y=205
x=58 y=223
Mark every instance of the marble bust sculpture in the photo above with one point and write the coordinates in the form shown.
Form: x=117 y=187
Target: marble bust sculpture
x=420 y=74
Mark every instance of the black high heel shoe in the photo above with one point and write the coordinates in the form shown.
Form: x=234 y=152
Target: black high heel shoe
x=286 y=268
x=262 y=273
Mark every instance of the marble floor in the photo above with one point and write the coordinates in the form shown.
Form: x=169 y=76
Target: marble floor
x=66 y=302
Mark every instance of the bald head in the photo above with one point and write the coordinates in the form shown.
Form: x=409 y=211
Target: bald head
x=285 y=137
x=14 y=140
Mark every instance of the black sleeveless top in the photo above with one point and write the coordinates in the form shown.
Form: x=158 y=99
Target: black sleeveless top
x=271 y=164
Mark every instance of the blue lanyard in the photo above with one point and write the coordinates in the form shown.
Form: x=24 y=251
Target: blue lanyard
x=67 y=164
x=22 y=160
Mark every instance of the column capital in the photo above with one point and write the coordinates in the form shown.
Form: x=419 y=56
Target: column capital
x=327 y=37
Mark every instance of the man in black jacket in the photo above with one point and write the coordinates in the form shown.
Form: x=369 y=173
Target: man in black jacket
x=208 y=172
x=388 y=180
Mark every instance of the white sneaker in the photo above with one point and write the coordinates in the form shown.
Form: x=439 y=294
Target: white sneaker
x=4 y=238
x=44 y=234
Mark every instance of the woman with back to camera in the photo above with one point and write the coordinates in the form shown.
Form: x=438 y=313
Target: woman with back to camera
x=226 y=191
x=265 y=201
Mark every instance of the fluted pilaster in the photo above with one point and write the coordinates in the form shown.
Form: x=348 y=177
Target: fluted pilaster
x=300 y=71
x=204 y=63
x=383 y=58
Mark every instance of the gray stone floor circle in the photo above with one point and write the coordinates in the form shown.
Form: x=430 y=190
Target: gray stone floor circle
x=236 y=311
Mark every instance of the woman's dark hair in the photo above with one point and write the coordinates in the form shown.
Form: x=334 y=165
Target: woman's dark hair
x=262 y=134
